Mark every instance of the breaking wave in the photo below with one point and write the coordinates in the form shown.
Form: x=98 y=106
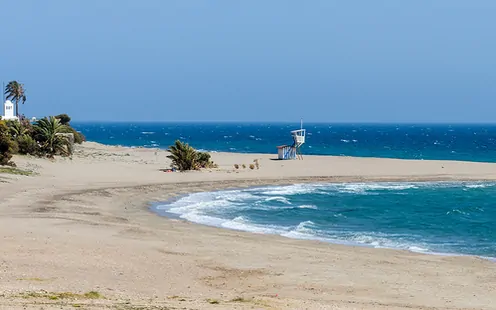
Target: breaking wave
x=428 y=217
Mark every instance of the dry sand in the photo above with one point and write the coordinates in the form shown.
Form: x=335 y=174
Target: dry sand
x=83 y=225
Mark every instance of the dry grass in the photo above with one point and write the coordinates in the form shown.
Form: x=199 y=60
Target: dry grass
x=15 y=171
x=61 y=295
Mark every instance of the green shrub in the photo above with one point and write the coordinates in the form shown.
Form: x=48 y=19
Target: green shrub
x=204 y=161
x=7 y=146
x=27 y=145
x=47 y=132
x=184 y=157
x=19 y=128
x=64 y=119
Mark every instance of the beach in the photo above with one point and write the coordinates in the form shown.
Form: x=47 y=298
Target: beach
x=78 y=233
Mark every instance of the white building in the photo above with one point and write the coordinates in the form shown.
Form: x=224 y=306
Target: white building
x=8 y=111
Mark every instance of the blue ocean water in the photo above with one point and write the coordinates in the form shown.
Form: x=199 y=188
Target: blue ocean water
x=433 y=217
x=452 y=142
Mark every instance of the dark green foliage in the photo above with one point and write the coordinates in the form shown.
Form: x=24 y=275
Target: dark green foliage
x=19 y=128
x=7 y=146
x=64 y=119
x=27 y=145
x=47 y=132
x=184 y=157
x=204 y=160
x=45 y=138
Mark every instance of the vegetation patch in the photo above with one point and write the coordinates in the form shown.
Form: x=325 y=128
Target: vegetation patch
x=12 y=170
x=184 y=157
x=46 y=137
x=240 y=299
x=61 y=295
x=139 y=307
x=32 y=279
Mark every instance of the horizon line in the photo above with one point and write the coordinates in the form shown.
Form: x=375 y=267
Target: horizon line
x=289 y=122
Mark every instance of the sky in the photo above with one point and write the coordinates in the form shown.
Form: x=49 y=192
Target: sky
x=279 y=60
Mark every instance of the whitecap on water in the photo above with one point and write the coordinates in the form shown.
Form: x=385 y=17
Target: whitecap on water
x=479 y=185
x=364 y=187
x=278 y=199
x=385 y=241
x=303 y=230
x=308 y=207
x=241 y=223
x=289 y=190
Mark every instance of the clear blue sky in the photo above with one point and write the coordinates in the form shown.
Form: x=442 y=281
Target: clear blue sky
x=329 y=61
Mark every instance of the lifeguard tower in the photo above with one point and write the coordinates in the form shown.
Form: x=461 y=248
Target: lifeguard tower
x=293 y=151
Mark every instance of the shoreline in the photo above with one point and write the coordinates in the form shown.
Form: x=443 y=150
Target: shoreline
x=164 y=213
x=88 y=224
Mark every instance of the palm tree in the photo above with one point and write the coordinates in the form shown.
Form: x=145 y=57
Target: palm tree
x=183 y=156
x=15 y=91
x=17 y=129
x=48 y=133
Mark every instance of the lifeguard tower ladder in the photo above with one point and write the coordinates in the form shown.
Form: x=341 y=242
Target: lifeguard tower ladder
x=293 y=151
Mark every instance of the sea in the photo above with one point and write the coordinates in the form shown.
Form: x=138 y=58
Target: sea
x=444 y=218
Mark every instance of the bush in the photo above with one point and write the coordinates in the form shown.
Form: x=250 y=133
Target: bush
x=48 y=133
x=27 y=145
x=204 y=161
x=19 y=128
x=184 y=157
x=64 y=119
x=7 y=146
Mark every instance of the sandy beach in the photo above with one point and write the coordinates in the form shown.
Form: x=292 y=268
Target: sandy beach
x=78 y=233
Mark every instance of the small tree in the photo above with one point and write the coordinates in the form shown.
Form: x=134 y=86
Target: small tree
x=48 y=133
x=204 y=160
x=183 y=156
x=64 y=119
